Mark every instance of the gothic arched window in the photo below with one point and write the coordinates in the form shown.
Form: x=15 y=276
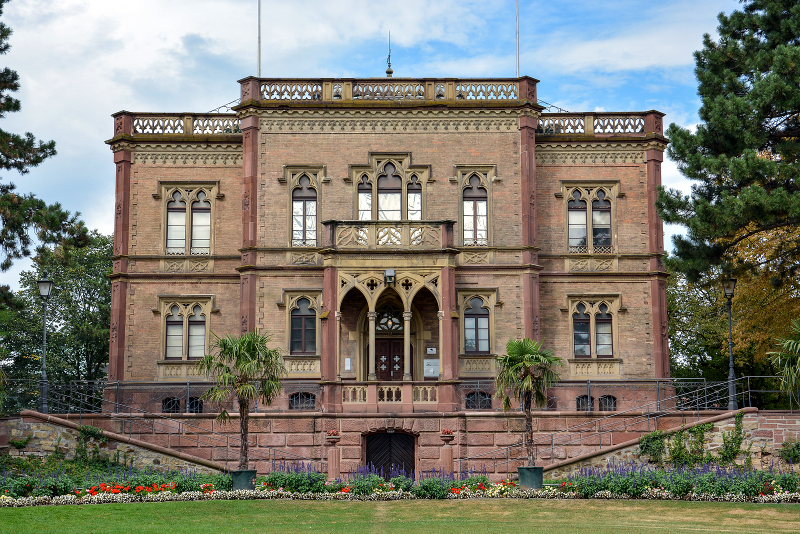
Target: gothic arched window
x=390 y=189
x=581 y=328
x=576 y=208
x=304 y=332
x=476 y=218
x=476 y=327
x=304 y=214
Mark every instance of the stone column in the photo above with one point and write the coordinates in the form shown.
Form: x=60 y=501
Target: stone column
x=407 y=345
x=334 y=458
x=371 y=315
x=338 y=346
x=248 y=278
x=441 y=338
x=446 y=454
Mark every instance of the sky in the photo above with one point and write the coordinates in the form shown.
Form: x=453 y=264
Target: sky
x=79 y=61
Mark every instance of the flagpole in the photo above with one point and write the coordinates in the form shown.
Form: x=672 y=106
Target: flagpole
x=517 y=38
x=259 y=40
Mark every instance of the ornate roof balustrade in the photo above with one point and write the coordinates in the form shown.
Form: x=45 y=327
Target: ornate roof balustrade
x=600 y=124
x=176 y=124
x=388 y=89
x=388 y=235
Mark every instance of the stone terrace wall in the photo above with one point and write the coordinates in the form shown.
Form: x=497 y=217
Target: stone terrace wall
x=60 y=435
x=764 y=432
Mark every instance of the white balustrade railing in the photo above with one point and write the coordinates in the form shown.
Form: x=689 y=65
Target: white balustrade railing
x=390 y=393
x=382 y=234
x=165 y=124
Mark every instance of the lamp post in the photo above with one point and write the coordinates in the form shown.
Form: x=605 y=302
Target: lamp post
x=45 y=287
x=729 y=286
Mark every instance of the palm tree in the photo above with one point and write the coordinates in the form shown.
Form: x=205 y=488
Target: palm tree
x=527 y=371
x=244 y=368
x=788 y=359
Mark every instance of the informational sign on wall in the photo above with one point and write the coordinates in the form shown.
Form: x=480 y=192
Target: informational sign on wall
x=431 y=368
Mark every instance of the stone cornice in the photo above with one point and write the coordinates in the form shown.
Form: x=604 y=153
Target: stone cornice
x=381 y=120
x=221 y=154
x=600 y=153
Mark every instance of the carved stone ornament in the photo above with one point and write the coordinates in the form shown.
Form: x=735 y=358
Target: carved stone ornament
x=304 y=258
x=221 y=154
x=405 y=121
x=476 y=257
x=589 y=154
x=578 y=265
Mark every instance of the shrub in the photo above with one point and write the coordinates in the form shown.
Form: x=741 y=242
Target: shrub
x=299 y=481
x=790 y=452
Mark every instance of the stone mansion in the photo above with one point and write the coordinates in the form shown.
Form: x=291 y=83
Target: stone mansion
x=392 y=235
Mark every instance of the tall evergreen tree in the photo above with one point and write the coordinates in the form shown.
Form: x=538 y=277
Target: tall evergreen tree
x=23 y=216
x=744 y=155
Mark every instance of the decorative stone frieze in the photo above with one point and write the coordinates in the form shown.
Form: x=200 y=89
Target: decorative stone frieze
x=589 y=153
x=189 y=154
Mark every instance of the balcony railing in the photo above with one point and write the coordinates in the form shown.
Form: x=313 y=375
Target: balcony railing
x=623 y=123
x=371 y=235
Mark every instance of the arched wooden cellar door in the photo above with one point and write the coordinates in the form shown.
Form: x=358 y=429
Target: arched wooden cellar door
x=391 y=453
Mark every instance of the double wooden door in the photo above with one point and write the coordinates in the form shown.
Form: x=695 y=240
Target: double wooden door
x=391 y=454
x=389 y=359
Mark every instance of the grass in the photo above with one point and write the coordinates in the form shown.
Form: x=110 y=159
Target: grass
x=480 y=516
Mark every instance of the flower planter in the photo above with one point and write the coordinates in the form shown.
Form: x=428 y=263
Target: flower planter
x=244 y=480
x=333 y=440
x=447 y=438
x=531 y=477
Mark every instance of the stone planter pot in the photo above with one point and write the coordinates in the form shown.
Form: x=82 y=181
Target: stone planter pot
x=333 y=440
x=531 y=477
x=244 y=480
x=447 y=438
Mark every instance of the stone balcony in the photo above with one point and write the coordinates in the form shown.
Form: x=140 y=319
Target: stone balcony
x=388 y=235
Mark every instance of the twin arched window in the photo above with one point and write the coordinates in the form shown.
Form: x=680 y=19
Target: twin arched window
x=584 y=324
x=185 y=333
x=188 y=223
x=578 y=218
x=304 y=214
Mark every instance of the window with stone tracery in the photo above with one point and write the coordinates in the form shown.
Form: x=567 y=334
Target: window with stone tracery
x=391 y=190
x=389 y=320
x=475 y=213
x=185 y=330
x=476 y=327
x=590 y=224
x=594 y=328
x=188 y=222
x=303 y=328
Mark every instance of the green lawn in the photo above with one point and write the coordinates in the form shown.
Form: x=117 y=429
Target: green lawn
x=480 y=516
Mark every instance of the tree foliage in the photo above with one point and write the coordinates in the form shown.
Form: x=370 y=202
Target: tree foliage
x=23 y=216
x=787 y=359
x=525 y=373
x=78 y=315
x=244 y=368
x=744 y=154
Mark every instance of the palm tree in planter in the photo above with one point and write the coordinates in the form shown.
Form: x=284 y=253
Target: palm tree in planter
x=244 y=368
x=525 y=373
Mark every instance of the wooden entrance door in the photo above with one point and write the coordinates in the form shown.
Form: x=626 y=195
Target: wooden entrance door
x=389 y=359
x=391 y=453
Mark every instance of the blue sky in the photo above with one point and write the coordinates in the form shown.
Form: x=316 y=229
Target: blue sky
x=82 y=60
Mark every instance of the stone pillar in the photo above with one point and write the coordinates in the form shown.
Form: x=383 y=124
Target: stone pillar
x=448 y=327
x=371 y=315
x=248 y=278
x=407 y=345
x=334 y=460
x=530 y=280
x=338 y=346
x=658 y=297
x=328 y=352
x=441 y=315
x=123 y=159
x=446 y=454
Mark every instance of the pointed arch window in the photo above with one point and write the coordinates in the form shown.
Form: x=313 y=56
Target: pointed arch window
x=581 y=332
x=414 y=199
x=476 y=215
x=604 y=340
x=303 y=329
x=576 y=209
x=174 y=341
x=304 y=214
x=390 y=190
x=176 y=224
x=185 y=330
x=476 y=327
x=197 y=334
x=601 y=224
x=364 y=199
x=201 y=225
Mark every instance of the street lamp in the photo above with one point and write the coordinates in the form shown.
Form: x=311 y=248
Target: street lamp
x=729 y=286
x=45 y=287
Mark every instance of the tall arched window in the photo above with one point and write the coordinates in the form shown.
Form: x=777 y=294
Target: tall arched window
x=414 y=199
x=304 y=214
x=390 y=190
x=581 y=328
x=476 y=327
x=197 y=334
x=364 y=199
x=601 y=224
x=174 y=342
x=201 y=225
x=476 y=219
x=576 y=209
x=304 y=331
x=176 y=225
x=604 y=344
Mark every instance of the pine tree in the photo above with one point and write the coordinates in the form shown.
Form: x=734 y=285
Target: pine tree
x=22 y=215
x=744 y=155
